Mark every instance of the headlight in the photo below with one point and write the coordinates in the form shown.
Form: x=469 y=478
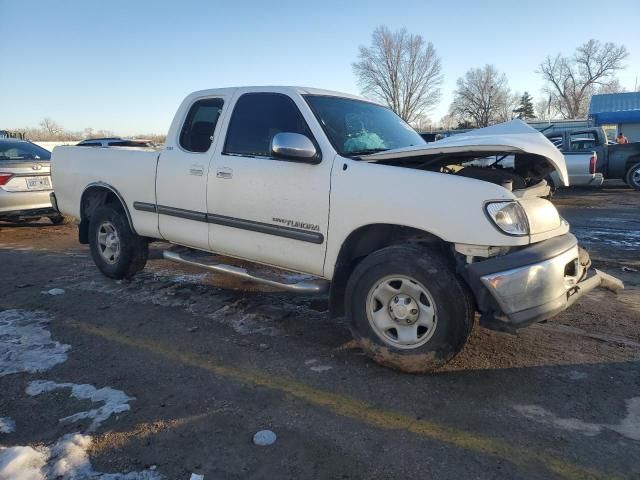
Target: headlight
x=508 y=217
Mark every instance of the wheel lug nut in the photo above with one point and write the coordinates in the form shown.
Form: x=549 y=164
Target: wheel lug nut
x=414 y=311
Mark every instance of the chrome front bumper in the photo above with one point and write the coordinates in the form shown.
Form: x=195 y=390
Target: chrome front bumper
x=538 y=283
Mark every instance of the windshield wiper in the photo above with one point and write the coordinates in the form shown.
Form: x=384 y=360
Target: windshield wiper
x=367 y=151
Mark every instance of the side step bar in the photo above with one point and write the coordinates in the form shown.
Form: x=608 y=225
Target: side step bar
x=306 y=286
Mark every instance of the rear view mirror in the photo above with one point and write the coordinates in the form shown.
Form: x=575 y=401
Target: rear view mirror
x=294 y=147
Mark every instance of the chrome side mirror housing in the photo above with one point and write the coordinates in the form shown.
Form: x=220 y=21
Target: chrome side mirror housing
x=294 y=147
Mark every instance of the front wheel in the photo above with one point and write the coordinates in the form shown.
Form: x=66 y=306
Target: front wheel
x=633 y=176
x=116 y=250
x=408 y=309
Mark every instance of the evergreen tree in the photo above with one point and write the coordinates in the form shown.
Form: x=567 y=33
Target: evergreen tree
x=525 y=109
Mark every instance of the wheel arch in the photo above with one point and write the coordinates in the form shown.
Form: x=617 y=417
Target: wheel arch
x=95 y=195
x=364 y=241
x=631 y=161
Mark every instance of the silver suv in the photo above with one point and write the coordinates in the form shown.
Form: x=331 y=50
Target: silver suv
x=25 y=182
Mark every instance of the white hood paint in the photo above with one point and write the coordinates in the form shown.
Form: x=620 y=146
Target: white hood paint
x=514 y=136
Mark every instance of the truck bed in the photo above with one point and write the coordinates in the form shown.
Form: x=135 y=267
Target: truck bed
x=131 y=170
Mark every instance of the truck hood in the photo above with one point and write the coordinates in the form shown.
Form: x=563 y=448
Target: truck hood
x=509 y=137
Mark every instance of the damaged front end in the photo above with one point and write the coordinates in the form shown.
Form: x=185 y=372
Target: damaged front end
x=531 y=284
x=511 y=154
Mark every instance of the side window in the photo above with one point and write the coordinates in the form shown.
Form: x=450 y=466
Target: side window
x=198 y=128
x=91 y=144
x=256 y=118
x=581 y=141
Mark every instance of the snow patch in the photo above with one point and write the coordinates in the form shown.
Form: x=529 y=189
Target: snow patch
x=541 y=415
x=7 y=425
x=54 y=291
x=187 y=278
x=67 y=459
x=629 y=427
x=22 y=463
x=26 y=344
x=114 y=401
x=321 y=368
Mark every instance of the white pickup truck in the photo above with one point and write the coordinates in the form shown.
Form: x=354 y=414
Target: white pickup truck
x=407 y=241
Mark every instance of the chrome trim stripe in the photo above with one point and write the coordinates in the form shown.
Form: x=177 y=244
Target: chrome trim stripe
x=253 y=226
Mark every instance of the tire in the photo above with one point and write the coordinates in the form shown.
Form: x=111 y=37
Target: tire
x=57 y=219
x=632 y=178
x=115 y=249
x=423 y=281
x=552 y=188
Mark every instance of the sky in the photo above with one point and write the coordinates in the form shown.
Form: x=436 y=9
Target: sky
x=125 y=66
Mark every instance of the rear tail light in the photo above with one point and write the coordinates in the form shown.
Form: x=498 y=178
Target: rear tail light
x=592 y=164
x=5 y=177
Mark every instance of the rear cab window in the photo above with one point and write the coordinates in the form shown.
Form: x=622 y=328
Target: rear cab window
x=257 y=118
x=199 y=126
x=582 y=141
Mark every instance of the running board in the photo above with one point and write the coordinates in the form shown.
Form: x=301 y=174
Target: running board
x=306 y=286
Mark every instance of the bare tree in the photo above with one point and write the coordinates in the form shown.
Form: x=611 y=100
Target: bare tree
x=401 y=70
x=613 y=86
x=51 y=127
x=572 y=80
x=482 y=96
x=423 y=124
x=506 y=110
x=544 y=109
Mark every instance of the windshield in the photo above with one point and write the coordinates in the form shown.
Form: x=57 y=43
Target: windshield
x=12 y=150
x=356 y=128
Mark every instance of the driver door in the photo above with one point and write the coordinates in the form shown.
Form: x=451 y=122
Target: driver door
x=261 y=208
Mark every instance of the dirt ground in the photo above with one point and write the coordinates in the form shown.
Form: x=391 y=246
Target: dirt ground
x=196 y=363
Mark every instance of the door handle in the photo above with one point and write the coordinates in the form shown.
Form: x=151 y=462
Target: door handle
x=224 y=172
x=197 y=170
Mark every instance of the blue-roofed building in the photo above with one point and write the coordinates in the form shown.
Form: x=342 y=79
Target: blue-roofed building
x=619 y=109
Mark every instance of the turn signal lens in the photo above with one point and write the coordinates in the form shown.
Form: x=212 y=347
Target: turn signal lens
x=5 y=177
x=509 y=217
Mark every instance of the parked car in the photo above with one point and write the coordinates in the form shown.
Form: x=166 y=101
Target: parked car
x=613 y=161
x=581 y=159
x=25 y=182
x=116 y=142
x=344 y=191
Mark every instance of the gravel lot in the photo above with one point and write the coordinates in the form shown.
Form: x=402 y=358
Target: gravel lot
x=174 y=372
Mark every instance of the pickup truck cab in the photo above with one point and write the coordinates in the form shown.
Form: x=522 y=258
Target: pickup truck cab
x=408 y=242
x=613 y=161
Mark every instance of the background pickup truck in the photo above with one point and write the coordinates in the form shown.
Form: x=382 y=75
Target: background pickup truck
x=408 y=241
x=613 y=161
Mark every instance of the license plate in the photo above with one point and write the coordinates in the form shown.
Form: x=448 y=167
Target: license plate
x=38 y=183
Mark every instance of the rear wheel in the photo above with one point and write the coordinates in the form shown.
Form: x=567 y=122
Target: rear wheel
x=407 y=308
x=633 y=176
x=116 y=250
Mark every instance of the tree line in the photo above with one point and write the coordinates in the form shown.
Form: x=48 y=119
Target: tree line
x=404 y=71
x=49 y=130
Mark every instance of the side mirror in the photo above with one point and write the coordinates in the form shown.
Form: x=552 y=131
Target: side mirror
x=294 y=147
